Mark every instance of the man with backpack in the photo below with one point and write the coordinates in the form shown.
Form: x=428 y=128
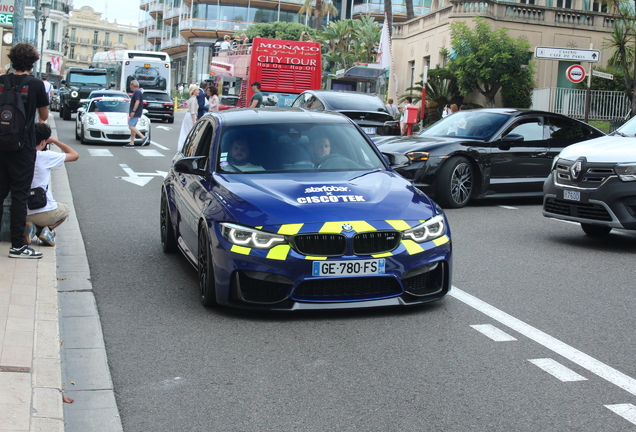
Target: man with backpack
x=21 y=96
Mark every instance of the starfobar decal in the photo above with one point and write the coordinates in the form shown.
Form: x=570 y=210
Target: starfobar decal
x=331 y=194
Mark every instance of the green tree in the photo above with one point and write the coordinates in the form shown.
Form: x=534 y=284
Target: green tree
x=616 y=84
x=279 y=30
x=483 y=59
x=348 y=41
x=441 y=88
x=516 y=90
x=318 y=9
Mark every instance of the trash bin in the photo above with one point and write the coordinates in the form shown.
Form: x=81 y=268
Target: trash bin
x=615 y=124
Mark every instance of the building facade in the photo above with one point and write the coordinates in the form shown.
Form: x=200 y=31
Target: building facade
x=572 y=24
x=88 y=33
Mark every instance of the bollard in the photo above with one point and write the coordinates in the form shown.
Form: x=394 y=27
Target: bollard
x=176 y=104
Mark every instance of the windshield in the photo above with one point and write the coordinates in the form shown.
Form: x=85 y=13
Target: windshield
x=119 y=106
x=353 y=102
x=87 y=79
x=468 y=124
x=295 y=147
x=628 y=129
x=149 y=96
x=147 y=71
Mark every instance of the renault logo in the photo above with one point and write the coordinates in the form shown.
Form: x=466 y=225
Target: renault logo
x=347 y=227
x=575 y=170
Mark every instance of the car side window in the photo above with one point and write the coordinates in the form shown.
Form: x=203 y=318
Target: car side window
x=566 y=129
x=530 y=128
x=315 y=104
x=201 y=141
x=300 y=101
x=188 y=146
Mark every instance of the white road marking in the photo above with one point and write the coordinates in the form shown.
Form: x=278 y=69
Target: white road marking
x=557 y=370
x=604 y=371
x=140 y=179
x=150 y=153
x=159 y=145
x=99 y=152
x=493 y=333
x=508 y=207
x=164 y=128
x=627 y=411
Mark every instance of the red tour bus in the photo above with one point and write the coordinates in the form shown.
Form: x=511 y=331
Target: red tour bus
x=284 y=69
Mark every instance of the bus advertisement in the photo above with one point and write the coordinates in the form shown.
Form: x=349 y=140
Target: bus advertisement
x=150 y=68
x=284 y=68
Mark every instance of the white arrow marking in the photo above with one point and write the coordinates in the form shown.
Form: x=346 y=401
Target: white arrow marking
x=135 y=178
x=164 y=127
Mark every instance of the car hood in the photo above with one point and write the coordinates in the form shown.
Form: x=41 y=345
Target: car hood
x=276 y=199
x=111 y=119
x=413 y=143
x=608 y=149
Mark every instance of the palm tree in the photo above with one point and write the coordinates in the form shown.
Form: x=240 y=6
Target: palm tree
x=409 y=9
x=620 y=41
x=336 y=38
x=319 y=9
x=366 y=40
x=388 y=14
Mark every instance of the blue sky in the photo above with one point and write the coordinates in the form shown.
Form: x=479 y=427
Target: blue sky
x=124 y=11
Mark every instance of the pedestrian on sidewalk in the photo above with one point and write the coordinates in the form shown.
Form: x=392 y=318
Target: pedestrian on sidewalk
x=16 y=167
x=190 y=117
x=136 y=111
x=42 y=222
x=213 y=101
x=202 y=100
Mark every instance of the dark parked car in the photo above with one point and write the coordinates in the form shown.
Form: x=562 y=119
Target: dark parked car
x=271 y=219
x=486 y=153
x=594 y=183
x=159 y=105
x=365 y=109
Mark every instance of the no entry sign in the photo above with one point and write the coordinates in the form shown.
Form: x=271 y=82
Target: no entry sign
x=575 y=73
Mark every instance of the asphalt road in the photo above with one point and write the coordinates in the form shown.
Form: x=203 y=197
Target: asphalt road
x=562 y=302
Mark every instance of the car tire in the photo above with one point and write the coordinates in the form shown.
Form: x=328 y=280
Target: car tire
x=77 y=135
x=205 y=267
x=66 y=112
x=82 y=136
x=171 y=120
x=595 y=230
x=168 y=238
x=455 y=182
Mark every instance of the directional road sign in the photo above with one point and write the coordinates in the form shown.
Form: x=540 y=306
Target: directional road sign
x=602 y=75
x=567 y=54
x=575 y=73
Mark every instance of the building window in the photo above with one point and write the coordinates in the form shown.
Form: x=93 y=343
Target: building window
x=53 y=32
x=107 y=39
x=565 y=4
x=531 y=2
x=121 y=38
x=411 y=70
x=73 y=35
x=72 y=52
x=599 y=7
x=95 y=37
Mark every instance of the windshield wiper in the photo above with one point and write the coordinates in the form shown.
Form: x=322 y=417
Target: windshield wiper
x=619 y=133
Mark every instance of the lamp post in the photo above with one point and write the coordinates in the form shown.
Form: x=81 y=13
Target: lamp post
x=46 y=10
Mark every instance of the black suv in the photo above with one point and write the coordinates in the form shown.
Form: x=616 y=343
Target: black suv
x=79 y=83
x=148 y=78
x=159 y=105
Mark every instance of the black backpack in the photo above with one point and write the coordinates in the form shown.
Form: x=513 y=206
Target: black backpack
x=13 y=121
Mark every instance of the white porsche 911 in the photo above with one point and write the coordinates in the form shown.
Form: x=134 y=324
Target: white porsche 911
x=105 y=120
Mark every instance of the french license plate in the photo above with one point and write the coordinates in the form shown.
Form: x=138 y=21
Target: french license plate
x=369 y=130
x=155 y=105
x=346 y=268
x=123 y=132
x=572 y=195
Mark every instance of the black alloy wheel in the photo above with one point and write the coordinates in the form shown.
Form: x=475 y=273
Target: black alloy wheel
x=168 y=239
x=454 y=185
x=207 y=286
x=595 y=230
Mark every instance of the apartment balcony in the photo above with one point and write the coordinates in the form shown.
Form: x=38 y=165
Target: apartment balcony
x=172 y=16
x=143 y=4
x=293 y=5
x=156 y=36
x=155 y=8
x=200 y=27
x=53 y=46
x=508 y=12
x=376 y=10
x=143 y=25
x=145 y=47
x=174 y=45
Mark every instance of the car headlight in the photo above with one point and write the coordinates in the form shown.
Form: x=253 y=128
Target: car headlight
x=90 y=120
x=626 y=172
x=74 y=94
x=430 y=230
x=418 y=156
x=250 y=237
x=142 y=121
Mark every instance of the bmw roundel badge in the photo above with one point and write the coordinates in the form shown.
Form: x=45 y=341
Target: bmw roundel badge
x=347 y=227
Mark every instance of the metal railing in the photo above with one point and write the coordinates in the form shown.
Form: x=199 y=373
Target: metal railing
x=51 y=45
x=173 y=42
x=604 y=105
x=213 y=24
x=365 y=8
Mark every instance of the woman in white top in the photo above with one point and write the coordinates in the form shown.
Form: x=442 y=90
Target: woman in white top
x=190 y=117
x=213 y=101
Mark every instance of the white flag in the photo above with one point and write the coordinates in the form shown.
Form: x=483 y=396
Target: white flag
x=384 y=49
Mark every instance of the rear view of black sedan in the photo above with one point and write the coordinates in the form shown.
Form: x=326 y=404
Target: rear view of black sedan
x=159 y=105
x=365 y=109
x=498 y=152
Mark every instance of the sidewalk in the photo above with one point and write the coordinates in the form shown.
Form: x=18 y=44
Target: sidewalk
x=51 y=343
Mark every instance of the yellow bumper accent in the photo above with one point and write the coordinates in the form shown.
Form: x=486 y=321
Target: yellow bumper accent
x=278 y=252
x=399 y=225
x=382 y=255
x=336 y=227
x=412 y=247
x=240 y=250
x=442 y=240
x=290 y=229
x=315 y=258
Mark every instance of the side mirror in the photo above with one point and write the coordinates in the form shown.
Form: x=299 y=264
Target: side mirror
x=191 y=165
x=81 y=110
x=144 y=112
x=397 y=160
x=506 y=141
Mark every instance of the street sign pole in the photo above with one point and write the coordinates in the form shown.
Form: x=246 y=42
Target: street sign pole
x=588 y=91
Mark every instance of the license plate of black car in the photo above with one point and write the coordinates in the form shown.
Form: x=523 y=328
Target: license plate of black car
x=346 y=268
